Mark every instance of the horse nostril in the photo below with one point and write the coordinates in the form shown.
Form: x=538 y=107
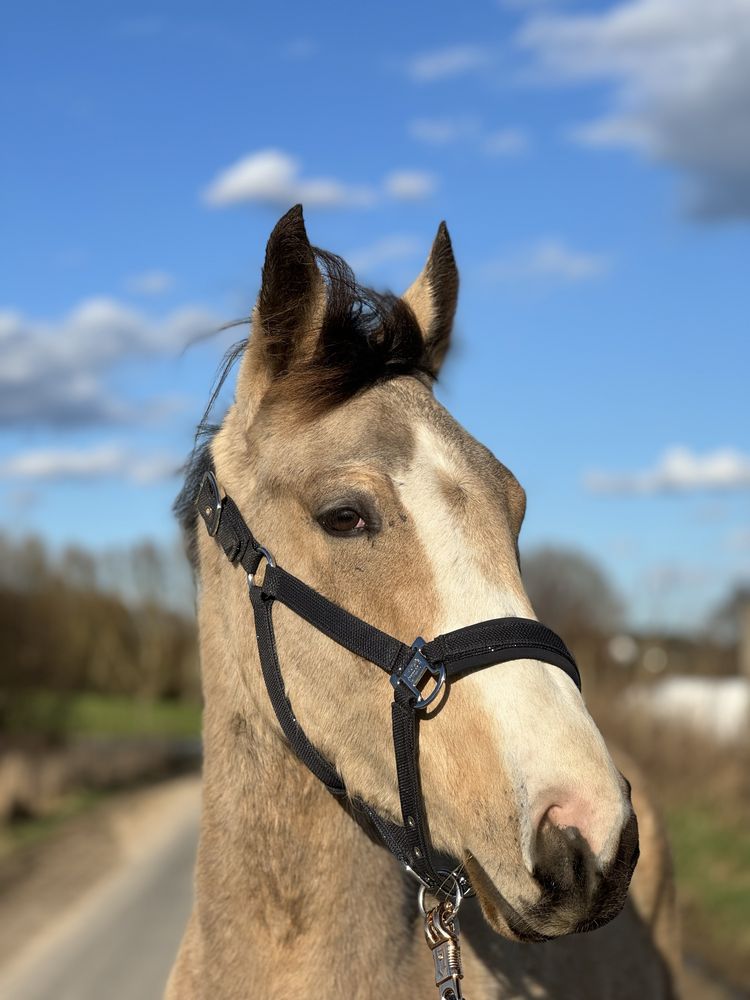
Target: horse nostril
x=628 y=850
x=563 y=861
x=576 y=887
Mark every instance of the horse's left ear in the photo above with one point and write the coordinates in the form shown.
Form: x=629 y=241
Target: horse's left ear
x=433 y=297
x=283 y=328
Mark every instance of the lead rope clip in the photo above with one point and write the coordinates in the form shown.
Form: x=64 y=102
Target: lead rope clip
x=441 y=932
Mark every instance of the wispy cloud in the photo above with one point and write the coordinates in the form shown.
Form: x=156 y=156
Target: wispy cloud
x=54 y=373
x=150 y=283
x=549 y=258
x=384 y=251
x=679 y=470
x=410 y=185
x=506 y=142
x=273 y=177
x=680 y=75
x=452 y=61
x=100 y=462
x=446 y=131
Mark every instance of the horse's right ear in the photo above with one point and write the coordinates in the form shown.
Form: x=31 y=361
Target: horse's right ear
x=288 y=292
x=291 y=288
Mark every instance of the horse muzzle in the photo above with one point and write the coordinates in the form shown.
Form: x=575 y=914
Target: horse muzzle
x=567 y=890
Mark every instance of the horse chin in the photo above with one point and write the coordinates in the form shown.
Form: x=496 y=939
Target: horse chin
x=543 y=918
x=503 y=918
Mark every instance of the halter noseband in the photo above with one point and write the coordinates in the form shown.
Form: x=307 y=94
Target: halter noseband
x=442 y=660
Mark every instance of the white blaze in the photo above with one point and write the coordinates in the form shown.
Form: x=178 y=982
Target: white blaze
x=547 y=742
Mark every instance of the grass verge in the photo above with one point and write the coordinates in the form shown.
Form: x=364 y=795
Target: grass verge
x=105 y=715
x=96 y=715
x=711 y=850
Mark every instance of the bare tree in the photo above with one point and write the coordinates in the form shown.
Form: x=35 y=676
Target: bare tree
x=570 y=593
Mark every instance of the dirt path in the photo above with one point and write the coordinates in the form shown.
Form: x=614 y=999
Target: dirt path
x=104 y=903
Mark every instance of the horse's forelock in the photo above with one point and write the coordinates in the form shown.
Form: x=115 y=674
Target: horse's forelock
x=366 y=337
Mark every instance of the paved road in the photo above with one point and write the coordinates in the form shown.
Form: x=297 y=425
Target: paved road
x=122 y=939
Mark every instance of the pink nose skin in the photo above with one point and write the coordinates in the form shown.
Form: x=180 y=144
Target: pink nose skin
x=580 y=814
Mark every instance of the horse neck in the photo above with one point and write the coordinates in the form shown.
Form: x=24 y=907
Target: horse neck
x=279 y=858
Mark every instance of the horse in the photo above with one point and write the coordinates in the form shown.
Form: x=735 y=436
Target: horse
x=351 y=474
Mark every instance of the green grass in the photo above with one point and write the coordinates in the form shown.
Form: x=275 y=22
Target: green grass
x=106 y=715
x=712 y=860
x=98 y=715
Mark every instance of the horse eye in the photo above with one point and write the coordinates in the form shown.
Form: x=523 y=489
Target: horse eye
x=343 y=521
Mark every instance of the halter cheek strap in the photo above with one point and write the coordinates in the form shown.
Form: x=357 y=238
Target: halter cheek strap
x=418 y=674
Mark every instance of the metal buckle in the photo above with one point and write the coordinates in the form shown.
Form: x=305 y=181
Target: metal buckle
x=210 y=511
x=415 y=672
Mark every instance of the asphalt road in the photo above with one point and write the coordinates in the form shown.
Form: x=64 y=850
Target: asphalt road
x=121 y=941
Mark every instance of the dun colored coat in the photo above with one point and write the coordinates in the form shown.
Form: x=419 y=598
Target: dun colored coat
x=347 y=468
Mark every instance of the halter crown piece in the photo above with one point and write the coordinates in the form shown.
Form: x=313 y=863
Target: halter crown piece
x=432 y=665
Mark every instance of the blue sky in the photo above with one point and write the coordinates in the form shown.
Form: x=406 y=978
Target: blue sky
x=592 y=161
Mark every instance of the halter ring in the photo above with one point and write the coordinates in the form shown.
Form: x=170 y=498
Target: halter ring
x=265 y=554
x=458 y=896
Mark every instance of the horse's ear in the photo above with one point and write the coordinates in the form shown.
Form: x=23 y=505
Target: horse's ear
x=433 y=297
x=288 y=293
x=291 y=289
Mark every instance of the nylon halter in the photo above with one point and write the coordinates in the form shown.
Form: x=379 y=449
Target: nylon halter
x=411 y=669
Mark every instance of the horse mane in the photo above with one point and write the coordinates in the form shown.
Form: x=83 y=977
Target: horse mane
x=366 y=338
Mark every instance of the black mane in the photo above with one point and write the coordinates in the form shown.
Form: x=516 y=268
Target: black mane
x=366 y=337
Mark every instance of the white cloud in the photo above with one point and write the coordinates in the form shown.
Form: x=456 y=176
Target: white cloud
x=440 y=64
x=410 y=185
x=102 y=461
x=679 y=470
x=551 y=259
x=150 y=283
x=53 y=372
x=506 y=142
x=273 y=177
x=390 y=248
x=680 y=71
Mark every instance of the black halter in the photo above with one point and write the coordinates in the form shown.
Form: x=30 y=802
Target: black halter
x=409 y=667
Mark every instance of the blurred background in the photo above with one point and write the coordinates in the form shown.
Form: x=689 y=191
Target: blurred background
x=592 y=160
